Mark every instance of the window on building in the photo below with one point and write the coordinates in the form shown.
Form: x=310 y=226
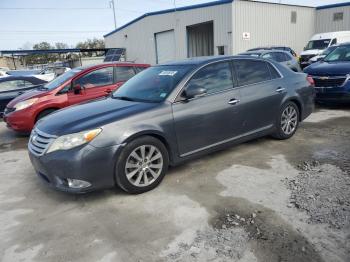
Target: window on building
x=293 y=17
x=221 y=50
x=338 y=16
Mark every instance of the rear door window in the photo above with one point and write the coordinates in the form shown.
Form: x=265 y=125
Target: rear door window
x=251 y=71
x=123 y=73
x=214 y=78
x=99 y=77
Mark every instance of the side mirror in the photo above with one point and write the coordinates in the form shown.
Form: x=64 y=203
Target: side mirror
x=304 y=48
x=77 y=89
x=193 y=91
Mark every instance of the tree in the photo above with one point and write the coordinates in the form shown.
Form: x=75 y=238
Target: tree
x=91 y=43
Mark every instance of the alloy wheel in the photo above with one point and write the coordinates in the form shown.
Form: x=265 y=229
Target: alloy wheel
x=289 y=120
x=144 y=165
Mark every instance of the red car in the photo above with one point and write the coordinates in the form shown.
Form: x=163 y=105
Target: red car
x=73 y=87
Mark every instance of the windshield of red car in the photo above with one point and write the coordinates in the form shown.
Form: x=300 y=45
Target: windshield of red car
x=61 y=79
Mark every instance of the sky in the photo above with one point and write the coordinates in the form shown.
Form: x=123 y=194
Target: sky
x=26 y=22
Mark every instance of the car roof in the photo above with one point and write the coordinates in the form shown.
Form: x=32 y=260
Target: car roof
x=202 y=60
x=104 y=64
x=29 y=78
x=343 y=44
x=270 y=47
x=264 y=51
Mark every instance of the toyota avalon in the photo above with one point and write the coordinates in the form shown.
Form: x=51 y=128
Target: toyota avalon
x=165 y=115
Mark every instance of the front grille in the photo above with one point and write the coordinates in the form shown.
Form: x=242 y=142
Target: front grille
x=39 y=142
x=9 y=110
x=306 y=58
x=329 y=81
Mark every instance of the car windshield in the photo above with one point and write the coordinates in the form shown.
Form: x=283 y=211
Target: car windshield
x=318 y=44
x=61 y=79
x=328 y=50
x=153 y=84
x=340 y=54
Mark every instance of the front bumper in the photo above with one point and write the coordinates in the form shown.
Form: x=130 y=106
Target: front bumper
x=87 y=163
x=334 y=95
x=20 y=121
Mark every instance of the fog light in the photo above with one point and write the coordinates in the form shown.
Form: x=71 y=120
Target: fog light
x=76 y=183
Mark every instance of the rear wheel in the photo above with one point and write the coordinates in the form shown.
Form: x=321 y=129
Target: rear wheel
x=44 y=113
x=288 y=121
x=142 y=165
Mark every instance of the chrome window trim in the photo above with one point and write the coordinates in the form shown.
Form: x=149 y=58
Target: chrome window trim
x=183 y=83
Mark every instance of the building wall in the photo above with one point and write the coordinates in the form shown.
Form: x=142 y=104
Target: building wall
x=6 y=61
x=138 y=38
x=325 y=23
x=270 y=24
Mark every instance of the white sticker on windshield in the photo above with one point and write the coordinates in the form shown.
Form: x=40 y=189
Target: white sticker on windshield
x=167 y=73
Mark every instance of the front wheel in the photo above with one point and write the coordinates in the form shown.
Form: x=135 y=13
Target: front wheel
x=288 y=121
x=142 y=165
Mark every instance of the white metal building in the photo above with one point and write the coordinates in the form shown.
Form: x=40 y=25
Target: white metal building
x=331 y=18
x=223 y=27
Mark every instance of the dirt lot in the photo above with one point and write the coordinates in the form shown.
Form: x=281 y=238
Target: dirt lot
x=265 y=200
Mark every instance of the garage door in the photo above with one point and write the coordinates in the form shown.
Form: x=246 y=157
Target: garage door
x=165 y=46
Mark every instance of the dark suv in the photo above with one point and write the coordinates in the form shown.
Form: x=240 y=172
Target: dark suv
x=165 y=115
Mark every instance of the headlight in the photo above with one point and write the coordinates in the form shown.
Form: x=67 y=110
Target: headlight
x=25 y=103
x=73 y=140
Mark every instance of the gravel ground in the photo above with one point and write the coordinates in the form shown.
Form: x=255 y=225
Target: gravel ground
x=224 y=244
x=322 y=190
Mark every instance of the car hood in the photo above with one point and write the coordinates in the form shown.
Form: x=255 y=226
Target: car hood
x=329 y=69
x=27 y=95
x=311 y=52
x=90 y=115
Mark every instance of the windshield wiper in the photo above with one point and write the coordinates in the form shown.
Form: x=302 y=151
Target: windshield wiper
x=126 y=98
x=42 y=88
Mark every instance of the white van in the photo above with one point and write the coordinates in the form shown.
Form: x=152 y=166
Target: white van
x=320 y=42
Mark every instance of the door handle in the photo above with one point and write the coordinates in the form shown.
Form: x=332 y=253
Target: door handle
x=108 y=91
x=280 y=89
x=234 y=101
x=20 y=92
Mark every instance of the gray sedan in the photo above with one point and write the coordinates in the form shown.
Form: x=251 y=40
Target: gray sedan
x=166 y=115
x=282 y=57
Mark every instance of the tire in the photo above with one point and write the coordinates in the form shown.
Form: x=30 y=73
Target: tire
x=44 y=113
x=137 y=174
x=287 y=122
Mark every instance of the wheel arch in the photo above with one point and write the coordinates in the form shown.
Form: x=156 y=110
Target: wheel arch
x=156 y=134
x=43 y=110
x=296 y=101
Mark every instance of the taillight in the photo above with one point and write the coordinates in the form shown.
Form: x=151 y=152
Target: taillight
x=310 y=80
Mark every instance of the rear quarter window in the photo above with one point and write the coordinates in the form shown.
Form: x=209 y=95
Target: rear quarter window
x=273 y=72
x=124 y=73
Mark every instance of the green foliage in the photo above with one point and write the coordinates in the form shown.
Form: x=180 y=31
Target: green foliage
x=50 y=58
